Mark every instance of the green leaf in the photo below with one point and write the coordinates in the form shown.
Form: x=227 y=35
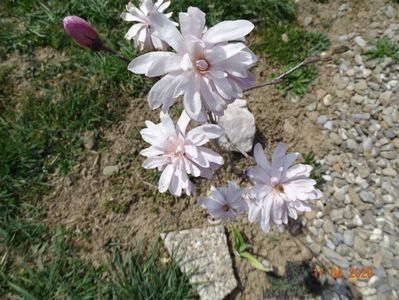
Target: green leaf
x=24 y=293
x=255 y=262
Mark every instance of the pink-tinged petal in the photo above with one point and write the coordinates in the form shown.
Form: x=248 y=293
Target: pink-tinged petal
x=134 y=10
x=228 y=31
x=212 y=99
x=192 y=103
x=132 y=17
x=165 y=65
x=132 y=32
x=167 y=31
x=186 y=63
x=220 y=53
x=190 y=188
x=206 y=172
x=167 y=124
x=191 y=150
x=199 y=159
x=280 y=151
x=209 y=203
x=253 y=213
x=260 y=158
x=145 y=63
x=175 y=186
x=183 y=122
x=146 y=6
x=166 y=177
x=224 y=88
x=298 y=170
x=201 y=134
x=211 y=156
x=158 y=44
x=258 y=175
x=160 y=6
x=289 y=159
x=151 y=151
x=154 y=162
x=162 y=92
x=192 y=23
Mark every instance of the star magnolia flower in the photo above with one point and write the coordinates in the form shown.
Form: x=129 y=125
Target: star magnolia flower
x=142 y=32
x=223 y=203
x=179 y=154
x=208 y=70
x=280 y=189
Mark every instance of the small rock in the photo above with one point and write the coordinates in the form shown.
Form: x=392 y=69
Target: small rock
x=284 y=38
x=360 y=42
x=389 y=172
x=327 y=100
x=329 y=125
x=328 y=226
x=376 y=235
x=354 y=197
x=308 y=20
x=367 y=196
x=359 y=245
x=349 y=237
x=389 y=11
x=88 y=140
x=110 y=170
x=361 y=86
x=322 y=119
x=336 y=258
x=239 y=125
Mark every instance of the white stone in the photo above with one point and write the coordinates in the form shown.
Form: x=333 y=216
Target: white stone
x=203 y=252
x=360 y=42
x=239 y=125
x=110 y=170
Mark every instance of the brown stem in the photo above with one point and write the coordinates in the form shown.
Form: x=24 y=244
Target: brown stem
x=115 y=54
x=307 y=61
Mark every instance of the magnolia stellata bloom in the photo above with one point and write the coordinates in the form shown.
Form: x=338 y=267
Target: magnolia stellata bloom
x=223 y=203
x=280 y=188
x=82 y=32
x=179 y=154
x=205 y=68
x=142 y=32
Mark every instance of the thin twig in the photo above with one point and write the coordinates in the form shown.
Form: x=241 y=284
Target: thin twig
x=115 y=54
x=307 y=61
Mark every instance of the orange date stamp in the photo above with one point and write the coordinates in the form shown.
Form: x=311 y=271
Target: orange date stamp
x=355 y=273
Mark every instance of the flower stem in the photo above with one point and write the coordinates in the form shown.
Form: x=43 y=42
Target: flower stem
x=115 y=54
x=278 y=79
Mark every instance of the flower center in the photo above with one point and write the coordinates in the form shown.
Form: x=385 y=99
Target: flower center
x=202 y=65
x=279 y=188
x=179 y=150
x=226 y=207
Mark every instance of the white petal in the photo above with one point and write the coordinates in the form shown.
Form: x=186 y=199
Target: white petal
x=192 y=23
x=154 y=162
x=192 y=102
x=166 y=177
x=162 y=92
x=201 y=134
x=133 y=31
x=167 y=31
x=142 y=64
x=183 y=122
x=220 y=53
x=167 y=64
x=151 y=151
x=211 y=155
x=212 y=99
x=260 y=157
x=132 y=17
x=228 y=31
x=167 y=124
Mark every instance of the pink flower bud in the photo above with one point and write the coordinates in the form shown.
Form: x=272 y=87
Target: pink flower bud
x=82 y=32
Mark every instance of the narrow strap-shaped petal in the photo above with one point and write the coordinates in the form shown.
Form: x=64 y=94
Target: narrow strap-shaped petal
x=260 y=158
x=228 y=31
x=167 y=31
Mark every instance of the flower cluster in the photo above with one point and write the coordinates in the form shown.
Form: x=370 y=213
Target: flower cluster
x=143 y=32
x=179 y=154
x=207 y=70
x=280 y=190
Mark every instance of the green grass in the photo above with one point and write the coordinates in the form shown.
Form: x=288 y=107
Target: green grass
x=298 y=282
x=317 y=172
x=385 y=47
x=55 y=272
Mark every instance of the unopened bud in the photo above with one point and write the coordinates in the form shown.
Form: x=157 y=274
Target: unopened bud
x=82 y=32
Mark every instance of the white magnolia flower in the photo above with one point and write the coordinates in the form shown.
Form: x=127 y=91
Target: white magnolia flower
x=208 y=69
x=223 y=203
x=179 y=154
x=142 y=32
x=280 y=189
